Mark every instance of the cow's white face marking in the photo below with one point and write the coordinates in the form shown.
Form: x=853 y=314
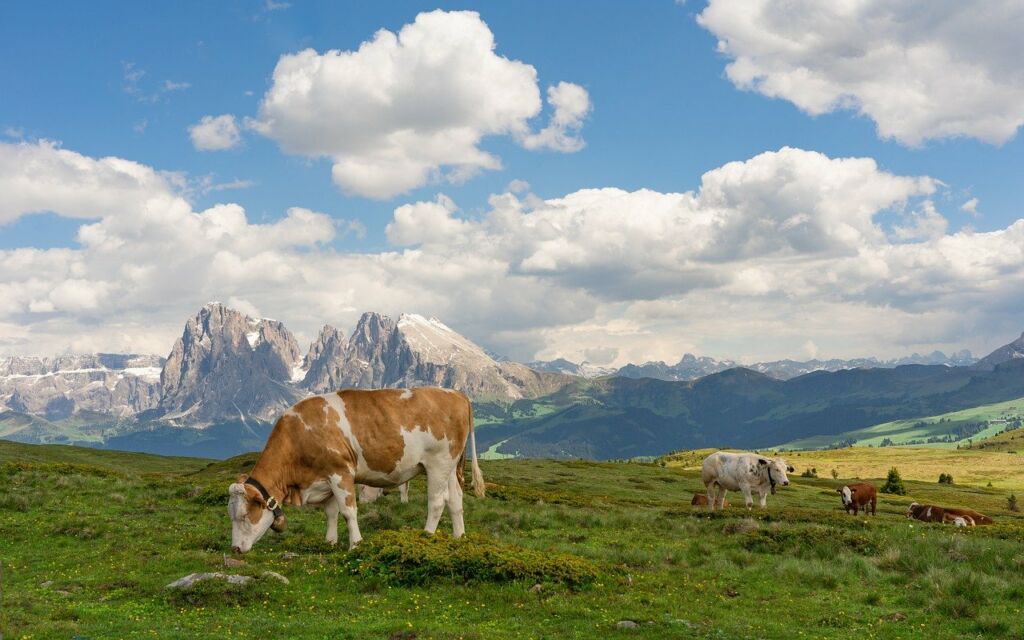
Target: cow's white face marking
x=847 y=496
x=406 y=394
x=959 y=522
x=244 y=533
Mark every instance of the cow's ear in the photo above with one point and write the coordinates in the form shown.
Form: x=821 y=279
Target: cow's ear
x=853 y=490
x=762 y=461
x=839 y=490
x=790 y=469
x=242 y=478
x=280 y=524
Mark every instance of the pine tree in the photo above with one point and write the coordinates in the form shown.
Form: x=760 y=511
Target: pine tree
x=894 y=483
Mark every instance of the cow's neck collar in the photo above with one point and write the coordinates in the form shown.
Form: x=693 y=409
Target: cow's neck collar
x=272 y=503
x=771 y=480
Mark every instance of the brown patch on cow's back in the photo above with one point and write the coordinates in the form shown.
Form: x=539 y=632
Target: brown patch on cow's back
x=317 y=414
x=377 y=419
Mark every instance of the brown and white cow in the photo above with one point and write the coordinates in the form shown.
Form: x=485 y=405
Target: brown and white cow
x=324 y=445
x=859 y=494
x=948 y=515
x=745 y=472
x=701 y=500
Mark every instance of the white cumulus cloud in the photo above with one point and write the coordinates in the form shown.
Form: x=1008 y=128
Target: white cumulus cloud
x=215 y=133
x=920 y=69
x=412 y=107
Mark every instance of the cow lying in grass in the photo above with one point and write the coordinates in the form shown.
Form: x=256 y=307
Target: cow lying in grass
x=701 y=500
x=948 y=515
x=323 y=446
x=744 y=472
x=859 y=494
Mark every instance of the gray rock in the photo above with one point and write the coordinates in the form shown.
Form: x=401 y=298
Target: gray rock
x=627 y=624
x=192 y=578
x=273 y=575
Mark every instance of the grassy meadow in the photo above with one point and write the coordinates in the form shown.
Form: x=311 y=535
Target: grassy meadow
x=89 y=539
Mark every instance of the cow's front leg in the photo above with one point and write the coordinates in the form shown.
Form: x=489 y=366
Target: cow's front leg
x=747 y=498
x=855 y=509
x=764 y=499
x=332 y=509
x=719 y=502
x=343 y=487
x=404 y=492
x=437 y=493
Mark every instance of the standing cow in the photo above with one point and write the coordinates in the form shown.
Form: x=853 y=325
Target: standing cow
x=368 y=494
x=859 y=494
x=744 y=472
x=324 y=445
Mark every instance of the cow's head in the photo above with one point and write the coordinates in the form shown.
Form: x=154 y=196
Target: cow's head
x=250 y=516
x=847 y=494
x=776 y=469
x=910 y=510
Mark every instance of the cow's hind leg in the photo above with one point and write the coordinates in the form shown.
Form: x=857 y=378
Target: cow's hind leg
x=331 y=508
x=344 y=489
x=454 y=502
x=437 y=493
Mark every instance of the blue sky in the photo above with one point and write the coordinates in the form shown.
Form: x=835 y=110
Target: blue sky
x=129 y=79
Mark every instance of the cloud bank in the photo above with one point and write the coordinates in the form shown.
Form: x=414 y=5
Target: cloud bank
x=769 y=254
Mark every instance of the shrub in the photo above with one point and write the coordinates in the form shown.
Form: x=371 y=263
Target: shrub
x=894 y=483
x=412 y=557
x=1011 y=503
x=809 y=473
x=835 y=474
x=945 y=478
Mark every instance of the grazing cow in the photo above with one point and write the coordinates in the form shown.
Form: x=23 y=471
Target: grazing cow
x=859 y=494
x=323 y=446
x=947 y=515
x=745 y=472
x=370 y=494
x=701 y=500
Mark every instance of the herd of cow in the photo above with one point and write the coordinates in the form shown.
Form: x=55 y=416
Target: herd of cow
x=326 y=446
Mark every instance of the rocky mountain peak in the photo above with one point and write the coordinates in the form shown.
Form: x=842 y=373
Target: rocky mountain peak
x=225 y=361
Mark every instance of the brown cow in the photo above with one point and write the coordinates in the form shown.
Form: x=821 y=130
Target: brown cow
x=324 y=445
x=947 y=515
x=859 y=494
x=701 y=500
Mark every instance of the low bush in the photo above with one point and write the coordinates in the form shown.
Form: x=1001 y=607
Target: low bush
x=411 y=557
x=818 y=540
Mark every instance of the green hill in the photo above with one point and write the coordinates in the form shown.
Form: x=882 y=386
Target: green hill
x=947 y=430
x=89 y=539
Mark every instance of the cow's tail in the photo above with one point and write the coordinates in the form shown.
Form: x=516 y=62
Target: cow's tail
x=478 y=475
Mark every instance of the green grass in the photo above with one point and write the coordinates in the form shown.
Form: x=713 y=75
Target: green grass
x=88 y=541
x=920 y=429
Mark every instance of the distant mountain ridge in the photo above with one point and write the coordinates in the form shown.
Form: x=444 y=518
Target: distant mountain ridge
x=229 y=375
x=691 y=367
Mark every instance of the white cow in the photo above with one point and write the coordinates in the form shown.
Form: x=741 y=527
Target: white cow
x=744 y=472
x=370 y=494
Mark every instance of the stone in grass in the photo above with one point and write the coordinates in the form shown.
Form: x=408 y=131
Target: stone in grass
x=191 y=579
x=627 y=624
x=188 y=581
